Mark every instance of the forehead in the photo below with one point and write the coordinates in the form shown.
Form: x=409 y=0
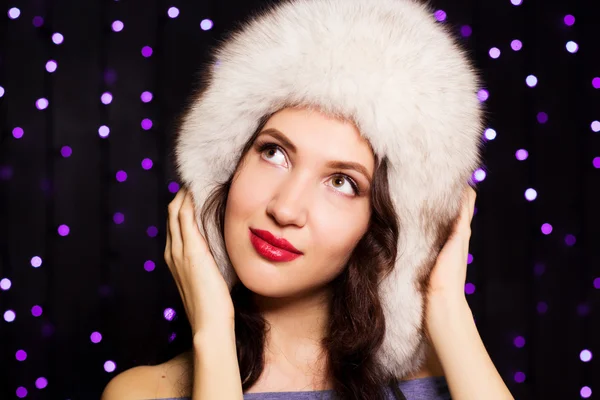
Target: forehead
x=318 y=134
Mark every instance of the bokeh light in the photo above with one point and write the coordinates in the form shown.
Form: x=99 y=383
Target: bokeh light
x=63 y=230
x=149 y=265
x=21 y=355
x=17 y=132
x=117 y=26
x=9 y=315
x=152 y=231
x=585 y=355
x=51 y=66
x=5 y=283
x=41 y=382
x=546 y=229
x=206 y=24
x=36 y=261
x=36 y=311
x=96 y=337
x=58 y=38
x=169 y=314
x=173 y=12
x=146 y=124
x=121 y=176
x=110 y=366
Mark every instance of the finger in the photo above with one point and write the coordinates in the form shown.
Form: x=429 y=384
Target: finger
x=167 y=252
x=192 y=239
x=174 y=228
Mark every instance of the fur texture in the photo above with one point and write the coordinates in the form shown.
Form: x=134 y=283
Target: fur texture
x=395 y=71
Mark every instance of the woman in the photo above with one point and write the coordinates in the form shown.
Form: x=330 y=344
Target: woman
x=331 y=254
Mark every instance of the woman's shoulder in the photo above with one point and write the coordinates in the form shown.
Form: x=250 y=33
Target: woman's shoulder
x=160 y=381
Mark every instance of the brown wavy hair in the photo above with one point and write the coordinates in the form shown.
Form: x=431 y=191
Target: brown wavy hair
x=356 y=320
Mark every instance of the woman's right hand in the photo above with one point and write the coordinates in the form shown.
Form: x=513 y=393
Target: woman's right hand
x=201 y=285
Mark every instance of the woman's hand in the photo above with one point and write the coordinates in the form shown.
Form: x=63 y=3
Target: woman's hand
x=201 y=285
x=446 y=290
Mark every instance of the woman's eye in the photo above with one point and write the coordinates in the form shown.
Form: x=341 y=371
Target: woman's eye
x=271 y=153
x=339 y=181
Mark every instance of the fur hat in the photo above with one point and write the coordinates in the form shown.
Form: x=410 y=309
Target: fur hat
x=400 y=76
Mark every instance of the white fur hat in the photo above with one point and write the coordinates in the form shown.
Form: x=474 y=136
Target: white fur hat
x=393 y=70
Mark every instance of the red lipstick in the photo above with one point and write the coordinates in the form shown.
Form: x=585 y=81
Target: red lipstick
x=272 y=248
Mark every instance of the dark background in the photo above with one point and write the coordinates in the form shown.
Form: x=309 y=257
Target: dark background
x=528 y=284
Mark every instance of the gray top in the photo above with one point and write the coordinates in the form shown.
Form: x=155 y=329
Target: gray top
x=431 y=388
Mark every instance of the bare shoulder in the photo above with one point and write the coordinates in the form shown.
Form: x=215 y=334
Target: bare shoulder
x=169 y=379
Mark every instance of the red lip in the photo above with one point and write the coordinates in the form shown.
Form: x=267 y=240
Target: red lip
x=277 y=242
x=270 y=251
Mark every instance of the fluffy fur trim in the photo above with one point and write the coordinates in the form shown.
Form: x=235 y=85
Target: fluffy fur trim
x=395 y=71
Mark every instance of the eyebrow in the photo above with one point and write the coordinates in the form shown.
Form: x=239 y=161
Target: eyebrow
x=331 y=164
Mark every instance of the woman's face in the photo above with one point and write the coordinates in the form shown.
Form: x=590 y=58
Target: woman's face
x=291 y=189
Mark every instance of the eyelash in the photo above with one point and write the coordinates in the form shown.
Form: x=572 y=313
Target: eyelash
x=268 y=146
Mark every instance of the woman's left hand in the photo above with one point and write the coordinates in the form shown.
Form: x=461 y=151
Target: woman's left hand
x=446 y=290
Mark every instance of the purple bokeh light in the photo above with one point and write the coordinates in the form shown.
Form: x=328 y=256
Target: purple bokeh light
x=516 y=45
x=37 y=21
x=149 y=265
x=469 y=288
x=169 y=314
x=110 y=366
x=41 y=382
x=21 y=355
x=17 y=132
x=103 y=131
x=585 y=355
x=106 y=98
x=152 y=231
x=146 y=124
x=570 y=240
x=440 y=15
x=51 y=66
x=146 y=97
x=5 y=284
x=519 y=341
x=63 y=230
x=572 y=47
x=173 y=187
x=41 y=104
x=121 y=176
x=519 y=377
x=117 y=26
x=466 y=31
x=206 y=24
x=495 y=52
x=522 y=154
x=118 y=218
x=585 y=392
x=173 y=12
x=36 y=261
x=147 y=163
x=96 y=337
x=546 y=229
x=569 y=20
x=146 y=51
x=9 y=315
x=21 y=392
x=36 y=311
x=58 y=38
x=531 y=194
x=14 y=13
x=542 y=117
x=66 y=151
